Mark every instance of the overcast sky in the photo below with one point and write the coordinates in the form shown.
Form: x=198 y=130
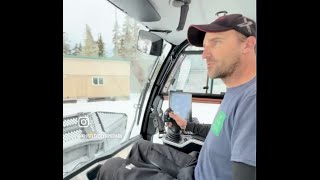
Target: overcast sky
x=98 y=14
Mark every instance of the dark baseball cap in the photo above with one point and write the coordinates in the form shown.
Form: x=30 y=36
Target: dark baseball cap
x=237 y=22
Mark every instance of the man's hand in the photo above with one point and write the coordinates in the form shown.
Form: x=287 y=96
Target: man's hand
x=180 y=121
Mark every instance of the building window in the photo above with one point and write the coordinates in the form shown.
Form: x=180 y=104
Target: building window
x=100 y=81
x=97 y=81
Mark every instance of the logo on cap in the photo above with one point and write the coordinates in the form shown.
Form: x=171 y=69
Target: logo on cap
x=246 y=24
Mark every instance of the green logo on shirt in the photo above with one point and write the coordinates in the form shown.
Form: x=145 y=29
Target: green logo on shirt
x=218 y=123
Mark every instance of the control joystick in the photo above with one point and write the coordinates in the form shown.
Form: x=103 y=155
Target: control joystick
x=174 y=133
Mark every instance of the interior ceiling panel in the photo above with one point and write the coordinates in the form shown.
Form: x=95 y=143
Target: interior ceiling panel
x=200 y=12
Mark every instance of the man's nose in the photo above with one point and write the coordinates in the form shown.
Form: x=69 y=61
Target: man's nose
x=205 y=54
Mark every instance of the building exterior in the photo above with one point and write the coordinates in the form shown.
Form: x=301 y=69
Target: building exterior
x=90 y=78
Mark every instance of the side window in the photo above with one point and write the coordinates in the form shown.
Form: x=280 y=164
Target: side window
x=190 y=75
x=216 y=86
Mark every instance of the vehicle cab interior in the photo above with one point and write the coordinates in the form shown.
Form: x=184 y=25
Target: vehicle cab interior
x=165 y=74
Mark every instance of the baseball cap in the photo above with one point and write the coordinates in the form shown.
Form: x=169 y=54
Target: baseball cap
x=237 y=22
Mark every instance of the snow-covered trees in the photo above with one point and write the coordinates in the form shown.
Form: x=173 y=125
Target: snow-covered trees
x=90 y=46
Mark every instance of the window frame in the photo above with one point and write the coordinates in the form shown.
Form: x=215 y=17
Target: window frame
x=98 y=80
x=209 y=83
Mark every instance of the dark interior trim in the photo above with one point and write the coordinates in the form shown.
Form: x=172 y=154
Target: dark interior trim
x=97 y=160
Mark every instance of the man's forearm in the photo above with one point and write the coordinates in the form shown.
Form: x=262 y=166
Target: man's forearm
x=199 y=129
x=242 y=171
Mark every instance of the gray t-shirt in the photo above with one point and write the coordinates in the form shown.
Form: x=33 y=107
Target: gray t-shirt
x=232 y=136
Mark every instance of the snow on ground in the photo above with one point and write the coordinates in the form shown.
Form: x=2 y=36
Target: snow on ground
x=109 y=106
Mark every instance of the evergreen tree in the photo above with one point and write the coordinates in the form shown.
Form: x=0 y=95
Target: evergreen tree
x=126 y=49
x=80 y=48
x=100 y=46
x=90 y=46
x=66 y=46
x=75 y=50
x=115 y=38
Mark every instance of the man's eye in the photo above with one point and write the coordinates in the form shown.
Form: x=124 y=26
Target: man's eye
x=214 y=43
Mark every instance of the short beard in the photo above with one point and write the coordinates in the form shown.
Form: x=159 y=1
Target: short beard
x=228 y=70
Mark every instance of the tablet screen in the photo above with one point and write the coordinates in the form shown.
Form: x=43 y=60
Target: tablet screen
x=181 y=104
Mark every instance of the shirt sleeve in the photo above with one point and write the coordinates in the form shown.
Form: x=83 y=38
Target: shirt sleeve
x=199 y=129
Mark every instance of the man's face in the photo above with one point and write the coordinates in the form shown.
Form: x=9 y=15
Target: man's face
x=222 y=52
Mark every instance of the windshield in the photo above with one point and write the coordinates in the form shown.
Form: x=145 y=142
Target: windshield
x=103 y=78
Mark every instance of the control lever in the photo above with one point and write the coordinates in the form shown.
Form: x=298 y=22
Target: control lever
x=174 y=133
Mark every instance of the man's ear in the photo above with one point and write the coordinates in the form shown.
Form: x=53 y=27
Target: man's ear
x=250 y=44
